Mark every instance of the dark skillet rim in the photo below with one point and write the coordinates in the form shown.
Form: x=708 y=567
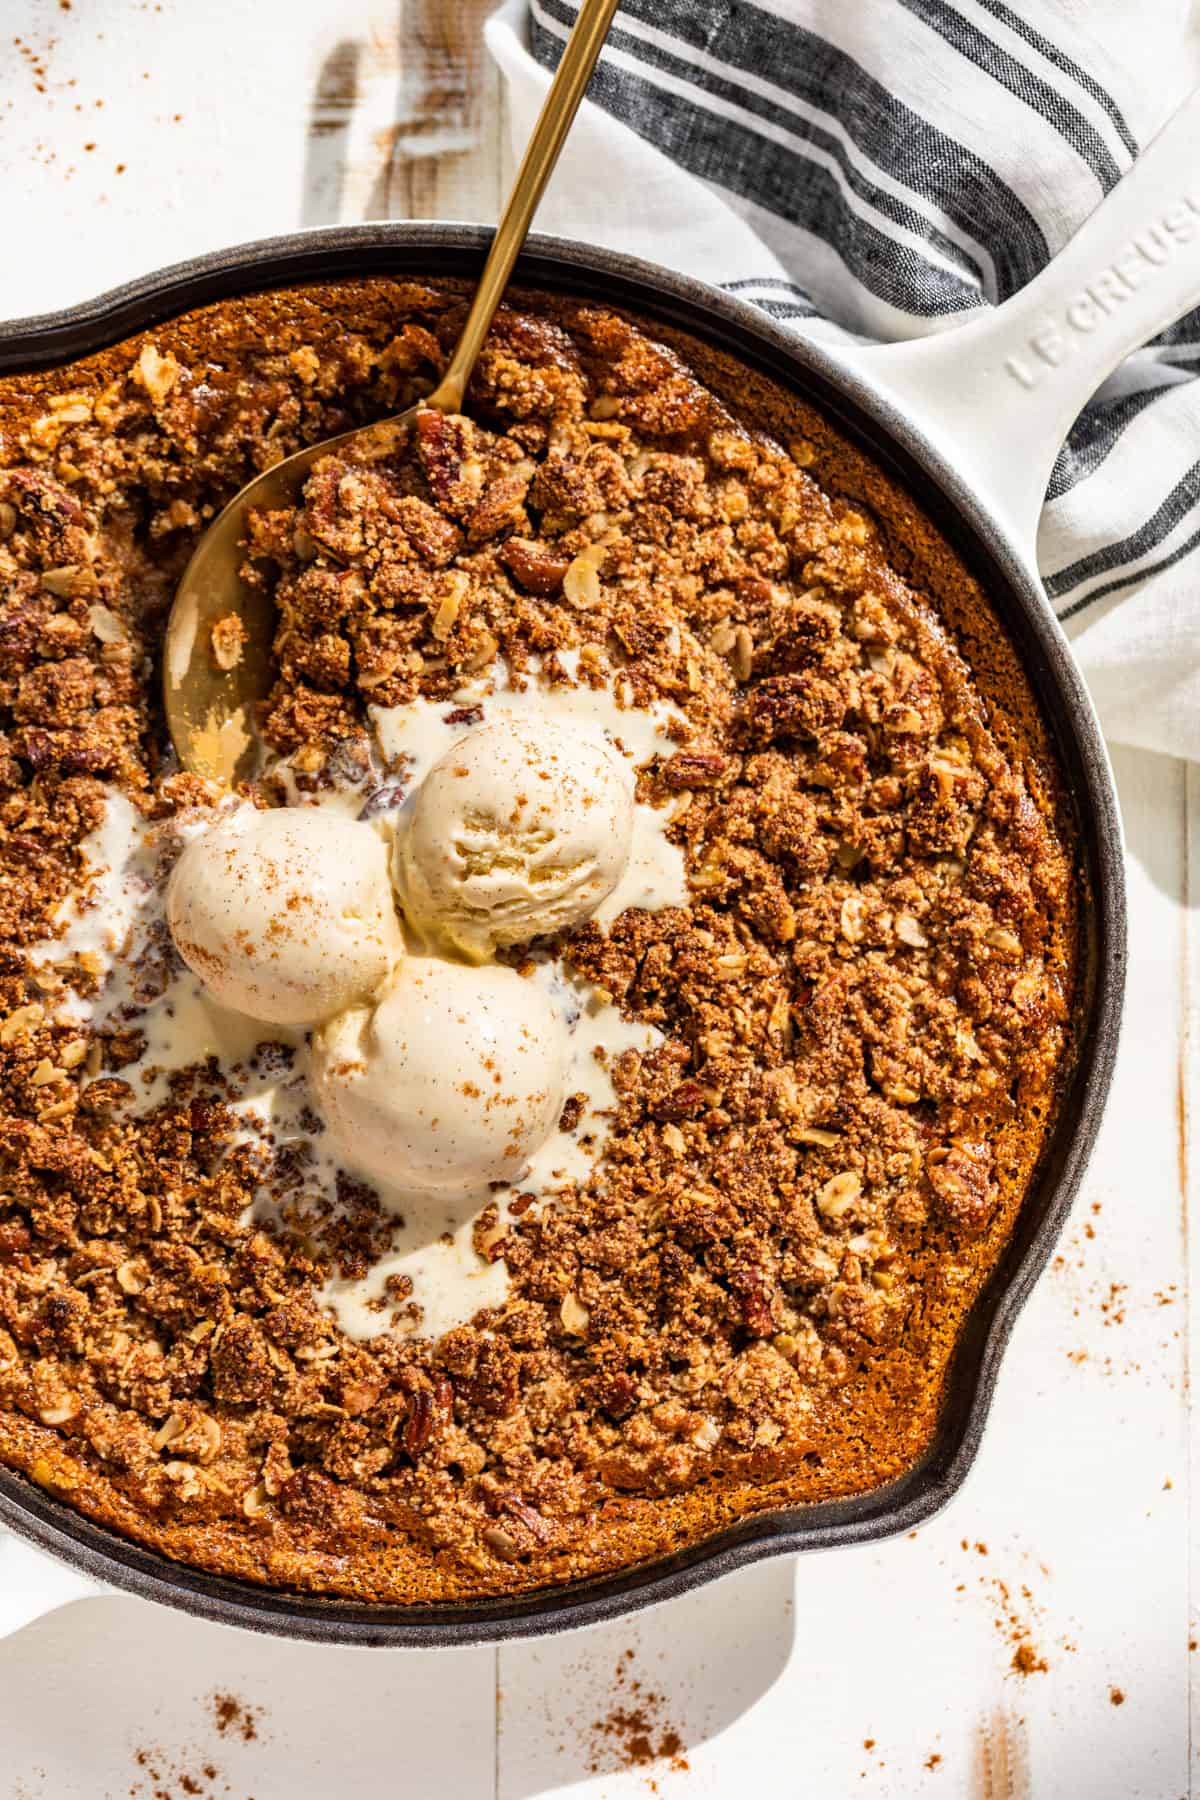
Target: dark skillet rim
x=424 y=249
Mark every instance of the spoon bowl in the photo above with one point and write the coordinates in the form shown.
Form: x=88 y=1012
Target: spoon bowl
x=211 y=687
x=211 y=696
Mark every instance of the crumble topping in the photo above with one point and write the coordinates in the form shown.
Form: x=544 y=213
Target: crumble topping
x=863 y=1007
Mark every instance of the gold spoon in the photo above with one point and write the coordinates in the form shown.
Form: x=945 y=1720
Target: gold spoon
x=210 y=710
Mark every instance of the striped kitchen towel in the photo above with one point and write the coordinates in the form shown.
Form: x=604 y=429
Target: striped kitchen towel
x=882 y=168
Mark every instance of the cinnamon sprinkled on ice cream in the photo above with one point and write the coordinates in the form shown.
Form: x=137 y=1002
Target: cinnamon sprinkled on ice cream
x=519 y=831
x=286 y=915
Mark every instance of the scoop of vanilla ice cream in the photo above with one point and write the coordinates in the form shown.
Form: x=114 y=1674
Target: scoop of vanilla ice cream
x=287 y=915
x=449 y=1083
x=520 y=830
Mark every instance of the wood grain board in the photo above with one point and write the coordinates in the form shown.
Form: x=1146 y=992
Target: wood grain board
x=892 y=1671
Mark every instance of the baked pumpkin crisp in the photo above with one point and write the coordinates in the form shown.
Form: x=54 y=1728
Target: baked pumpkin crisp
x=842 y=1046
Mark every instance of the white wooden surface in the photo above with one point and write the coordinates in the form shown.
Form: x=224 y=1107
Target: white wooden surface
x=216 y=123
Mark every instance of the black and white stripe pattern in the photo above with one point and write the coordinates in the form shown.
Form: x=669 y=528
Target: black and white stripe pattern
x=905 y=161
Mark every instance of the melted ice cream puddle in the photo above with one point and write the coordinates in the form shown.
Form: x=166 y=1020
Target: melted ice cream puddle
x=115 y=925
x=121 y=917
x=120 y=860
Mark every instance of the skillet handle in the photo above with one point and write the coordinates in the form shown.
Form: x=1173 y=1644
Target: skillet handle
x=999 y=394
x=33 y=1584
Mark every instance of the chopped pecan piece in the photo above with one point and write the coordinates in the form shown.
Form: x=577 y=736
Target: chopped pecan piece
x=617 y=1395
x=752 y=1291
x=694 y=768
x=446 y=449
x=313 y=1499
x=418 y=1427
x=501 y=505
x=538 y=569
x=961 y=1177
x=805 y=706
x=514 y=1507
x=683 y=1102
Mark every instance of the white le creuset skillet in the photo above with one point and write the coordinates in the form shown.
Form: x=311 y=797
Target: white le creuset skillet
x=978 y=412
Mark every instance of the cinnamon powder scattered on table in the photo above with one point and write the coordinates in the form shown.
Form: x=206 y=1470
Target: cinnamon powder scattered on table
x=634 y=1733
x=164 y=1774
x=1015 y=1616
x=1026 y=1661
x=233 y=1717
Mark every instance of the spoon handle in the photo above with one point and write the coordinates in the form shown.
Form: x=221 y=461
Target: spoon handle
x=1000 y=393
x=554 y=121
